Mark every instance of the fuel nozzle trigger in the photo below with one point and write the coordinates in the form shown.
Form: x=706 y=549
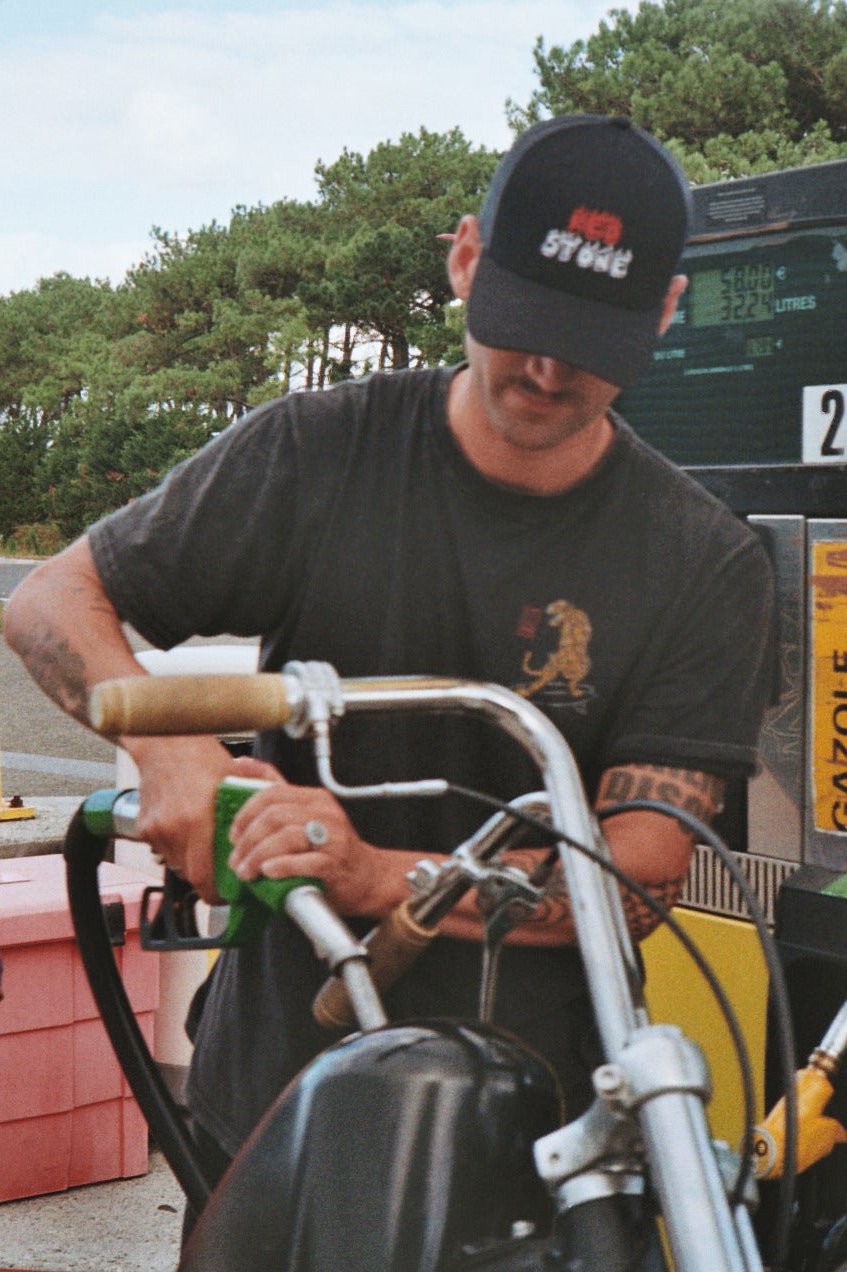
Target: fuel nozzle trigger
x=174 y=924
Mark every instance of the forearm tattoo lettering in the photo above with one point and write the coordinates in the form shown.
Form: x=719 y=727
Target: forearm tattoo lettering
x=697 y=793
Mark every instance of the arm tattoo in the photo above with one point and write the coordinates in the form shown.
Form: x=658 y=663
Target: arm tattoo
x=59 y=670
x=555 y=910
x=697 y=793
x=640 y=918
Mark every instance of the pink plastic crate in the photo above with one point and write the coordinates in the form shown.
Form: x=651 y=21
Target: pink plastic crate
x=66 y=1113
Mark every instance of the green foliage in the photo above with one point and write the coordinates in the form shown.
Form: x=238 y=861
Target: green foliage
x=735 y=87
x=41 y=539
x=385 y=263
x=102 y=389
x=52 y=339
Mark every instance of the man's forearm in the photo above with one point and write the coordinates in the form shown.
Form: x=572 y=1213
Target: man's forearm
x=552 y=923
x=61 y=624
x=654 y=849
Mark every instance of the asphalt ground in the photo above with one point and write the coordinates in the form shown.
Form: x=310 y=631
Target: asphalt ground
x=44 y=751
x=12 y=570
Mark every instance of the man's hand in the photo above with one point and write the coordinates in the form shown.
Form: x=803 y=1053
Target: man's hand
x=178 y=781
x=285 y=830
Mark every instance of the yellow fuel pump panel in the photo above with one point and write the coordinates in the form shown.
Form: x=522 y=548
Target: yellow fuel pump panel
x=678 y=995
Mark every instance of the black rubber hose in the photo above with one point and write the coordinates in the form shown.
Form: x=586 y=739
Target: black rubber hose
x=83 y=852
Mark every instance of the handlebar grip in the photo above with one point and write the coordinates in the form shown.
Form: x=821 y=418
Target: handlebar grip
x=394 y=945
x=212 y=703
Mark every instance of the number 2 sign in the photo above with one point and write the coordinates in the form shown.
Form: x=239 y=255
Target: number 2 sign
x=825 y=424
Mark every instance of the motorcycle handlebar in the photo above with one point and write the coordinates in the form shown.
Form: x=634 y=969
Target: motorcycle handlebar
x=160 y=705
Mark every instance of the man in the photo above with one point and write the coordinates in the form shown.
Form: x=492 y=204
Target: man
x=495 y=521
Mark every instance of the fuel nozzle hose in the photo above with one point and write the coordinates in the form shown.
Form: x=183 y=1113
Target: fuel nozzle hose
x=83 y=852
x=817 y=1134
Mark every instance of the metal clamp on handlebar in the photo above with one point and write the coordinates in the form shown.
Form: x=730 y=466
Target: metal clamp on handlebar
x=316 y=704
x=318 y=698
x=589 y=1157
x=436 y=889
x=657 y=1059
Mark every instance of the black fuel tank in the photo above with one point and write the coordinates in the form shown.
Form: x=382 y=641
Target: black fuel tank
x=393 y=1151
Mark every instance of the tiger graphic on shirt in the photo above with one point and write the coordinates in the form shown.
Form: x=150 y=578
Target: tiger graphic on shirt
x=562 y=676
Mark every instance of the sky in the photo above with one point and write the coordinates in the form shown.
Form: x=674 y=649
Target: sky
x=117 y=116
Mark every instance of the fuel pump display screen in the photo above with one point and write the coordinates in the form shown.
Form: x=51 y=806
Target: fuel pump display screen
x=753 y=368
x=736 y=293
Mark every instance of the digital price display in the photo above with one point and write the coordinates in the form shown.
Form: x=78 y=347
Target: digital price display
x=738 y=293
x=753 y=369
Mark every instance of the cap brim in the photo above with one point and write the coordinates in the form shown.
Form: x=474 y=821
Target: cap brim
x=509 y=312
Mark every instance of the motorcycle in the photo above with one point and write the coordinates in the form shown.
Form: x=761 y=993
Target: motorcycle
x=473 y=1167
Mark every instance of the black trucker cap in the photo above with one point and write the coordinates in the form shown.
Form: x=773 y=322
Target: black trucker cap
x=582 y=230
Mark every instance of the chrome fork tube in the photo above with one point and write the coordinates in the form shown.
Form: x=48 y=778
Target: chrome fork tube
x=701 y=1231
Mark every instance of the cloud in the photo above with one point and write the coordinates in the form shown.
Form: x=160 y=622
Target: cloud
x=26 y=256
x=174 y=118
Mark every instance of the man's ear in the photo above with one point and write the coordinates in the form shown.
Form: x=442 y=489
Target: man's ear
x=679 y=282
x=464 y=254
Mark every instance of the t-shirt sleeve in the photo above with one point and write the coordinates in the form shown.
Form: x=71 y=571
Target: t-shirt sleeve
x=205 y=553
x=709 y=676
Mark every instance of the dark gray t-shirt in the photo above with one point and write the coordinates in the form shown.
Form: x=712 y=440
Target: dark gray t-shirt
x=347 y=526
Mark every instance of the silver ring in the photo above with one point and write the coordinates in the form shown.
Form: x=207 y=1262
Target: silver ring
x=316 y=833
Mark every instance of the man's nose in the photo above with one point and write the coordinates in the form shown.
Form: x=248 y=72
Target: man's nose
x=548 y=373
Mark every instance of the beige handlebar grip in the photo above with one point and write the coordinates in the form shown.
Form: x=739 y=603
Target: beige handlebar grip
x=158 y=705
x=393 y=946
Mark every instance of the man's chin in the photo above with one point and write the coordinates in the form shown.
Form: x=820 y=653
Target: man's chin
x=531 y=436
x=539 y=426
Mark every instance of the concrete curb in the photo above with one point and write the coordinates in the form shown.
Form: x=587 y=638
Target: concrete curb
x=43 y=833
